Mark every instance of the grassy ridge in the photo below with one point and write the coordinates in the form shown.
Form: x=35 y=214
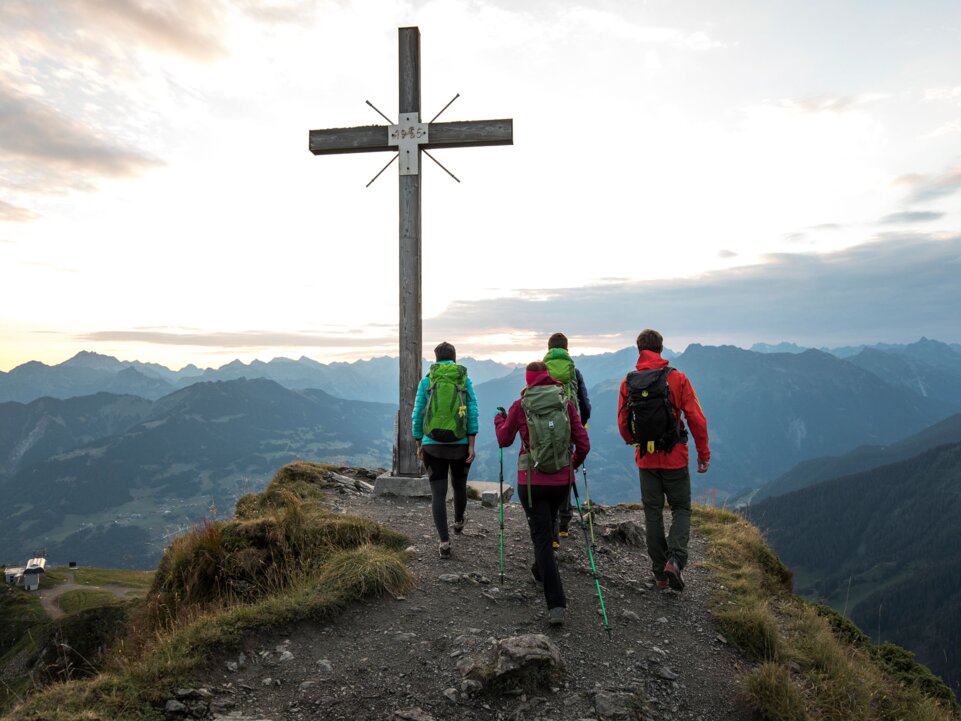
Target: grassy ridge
x=814 y=664
x=283 y=558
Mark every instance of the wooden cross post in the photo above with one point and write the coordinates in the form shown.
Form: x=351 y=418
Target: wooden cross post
x=408 y=138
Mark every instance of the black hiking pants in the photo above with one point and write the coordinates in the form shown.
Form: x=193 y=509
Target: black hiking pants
x=541 y=511
x=454 y=465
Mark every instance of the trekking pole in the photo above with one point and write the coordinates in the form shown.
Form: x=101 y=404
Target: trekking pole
x=502 y=512
x=587 y=504
x=500 y=450
x=590 y=556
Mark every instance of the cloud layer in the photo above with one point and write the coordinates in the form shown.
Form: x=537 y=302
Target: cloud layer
x=899 y=286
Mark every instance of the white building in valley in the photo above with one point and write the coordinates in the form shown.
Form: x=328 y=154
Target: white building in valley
x=27 y=576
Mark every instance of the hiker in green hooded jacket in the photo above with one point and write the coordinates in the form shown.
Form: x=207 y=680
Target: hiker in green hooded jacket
x=561 y=367
x=444 y=424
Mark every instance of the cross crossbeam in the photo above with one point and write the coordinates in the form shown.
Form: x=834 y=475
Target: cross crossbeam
x=373 y=138
x=409 y=138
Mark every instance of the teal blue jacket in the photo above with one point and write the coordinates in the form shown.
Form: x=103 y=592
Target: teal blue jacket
x=420 y=404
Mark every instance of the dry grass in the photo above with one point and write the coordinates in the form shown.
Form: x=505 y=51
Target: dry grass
x=835 y=673
x=773 y=695
x=282 y=559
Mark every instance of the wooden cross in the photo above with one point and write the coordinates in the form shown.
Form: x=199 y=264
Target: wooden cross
x=408 y=138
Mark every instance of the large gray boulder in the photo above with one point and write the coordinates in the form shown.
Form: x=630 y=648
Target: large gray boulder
x=528 y=661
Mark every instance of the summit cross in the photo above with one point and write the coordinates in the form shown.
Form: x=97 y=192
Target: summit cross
x=408 y=138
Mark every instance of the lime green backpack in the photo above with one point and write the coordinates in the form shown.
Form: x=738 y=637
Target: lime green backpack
x=445 y=417
x=548 y=428
x=561 y=368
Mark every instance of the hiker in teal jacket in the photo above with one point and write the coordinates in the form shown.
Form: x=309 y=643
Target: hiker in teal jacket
x=444 y=424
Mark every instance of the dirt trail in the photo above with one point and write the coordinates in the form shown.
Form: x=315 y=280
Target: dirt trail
x=389 y=655
x=49 y=596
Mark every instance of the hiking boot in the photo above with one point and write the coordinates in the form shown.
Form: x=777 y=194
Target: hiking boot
x=660 y=580
x=555 y=544
x=672 y=570
x=458 y=526
x=555 y=617
x=445 y=550
x=563 y=533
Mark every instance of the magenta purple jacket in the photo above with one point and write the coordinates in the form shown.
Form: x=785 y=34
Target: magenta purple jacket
x=515 y=422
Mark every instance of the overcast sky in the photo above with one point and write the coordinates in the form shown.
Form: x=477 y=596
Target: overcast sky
x=725 y=172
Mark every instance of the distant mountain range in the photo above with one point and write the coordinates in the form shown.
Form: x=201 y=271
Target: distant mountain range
x=151 y=464
x=882 y=546
x=375 y=380
x=766 y=413
x=112 y=500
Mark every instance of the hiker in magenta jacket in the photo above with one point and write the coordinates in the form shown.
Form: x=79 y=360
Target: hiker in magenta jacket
x=547 y=491
x=665 y=475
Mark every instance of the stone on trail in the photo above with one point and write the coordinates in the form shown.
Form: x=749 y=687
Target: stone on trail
x=409 y=486
x=630 y=533
x=412 y=714
x=614 y=706
x=527 y=660
x=490 y=491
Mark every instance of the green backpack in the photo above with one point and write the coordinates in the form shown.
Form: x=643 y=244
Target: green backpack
x=445 y=417
x=561 y=368
x=548 y=428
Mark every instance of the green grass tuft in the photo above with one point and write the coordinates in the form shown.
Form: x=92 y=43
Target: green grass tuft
x=773 y=695
x=753 y=628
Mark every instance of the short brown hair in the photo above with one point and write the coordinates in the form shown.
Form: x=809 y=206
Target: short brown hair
x=558 y=340
x=445 y=351
x=651 y=340
x=537 y=366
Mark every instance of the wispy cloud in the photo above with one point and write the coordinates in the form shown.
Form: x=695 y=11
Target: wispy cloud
x=31 y=130
x=951 y=94
x=930 y=187
x=911 y=216
x=832 y=103
x=615 y=26
x=240 y=339
x=899 y=285
x=181 y=27
x=15 y=213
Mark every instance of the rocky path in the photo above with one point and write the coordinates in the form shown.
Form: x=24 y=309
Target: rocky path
x=397 y=658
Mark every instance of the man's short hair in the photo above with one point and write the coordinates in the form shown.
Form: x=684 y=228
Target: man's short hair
x=445 y=351
x=537 y=366
x=558 y=340
x=650 y=340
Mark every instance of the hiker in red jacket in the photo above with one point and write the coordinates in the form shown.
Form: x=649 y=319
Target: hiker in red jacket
x=541 y=492
x=649 y=418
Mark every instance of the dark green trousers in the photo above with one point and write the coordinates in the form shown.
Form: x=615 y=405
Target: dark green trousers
x=674 y=485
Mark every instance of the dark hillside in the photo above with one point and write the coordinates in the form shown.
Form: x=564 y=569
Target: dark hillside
x=32 y=432
x=884 y=538
x=816 y=470
x=198 y=450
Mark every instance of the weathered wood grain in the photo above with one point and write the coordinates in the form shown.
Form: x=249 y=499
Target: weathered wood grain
x=470 y=133
x=363 y=139
x=411 y=326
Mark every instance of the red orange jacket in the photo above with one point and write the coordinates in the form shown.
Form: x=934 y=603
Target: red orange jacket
x=685 y=400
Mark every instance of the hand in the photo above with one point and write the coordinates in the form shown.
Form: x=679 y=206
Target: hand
x=702 y=465
x=501 y=412
x=420 y=451
x=470 y=450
